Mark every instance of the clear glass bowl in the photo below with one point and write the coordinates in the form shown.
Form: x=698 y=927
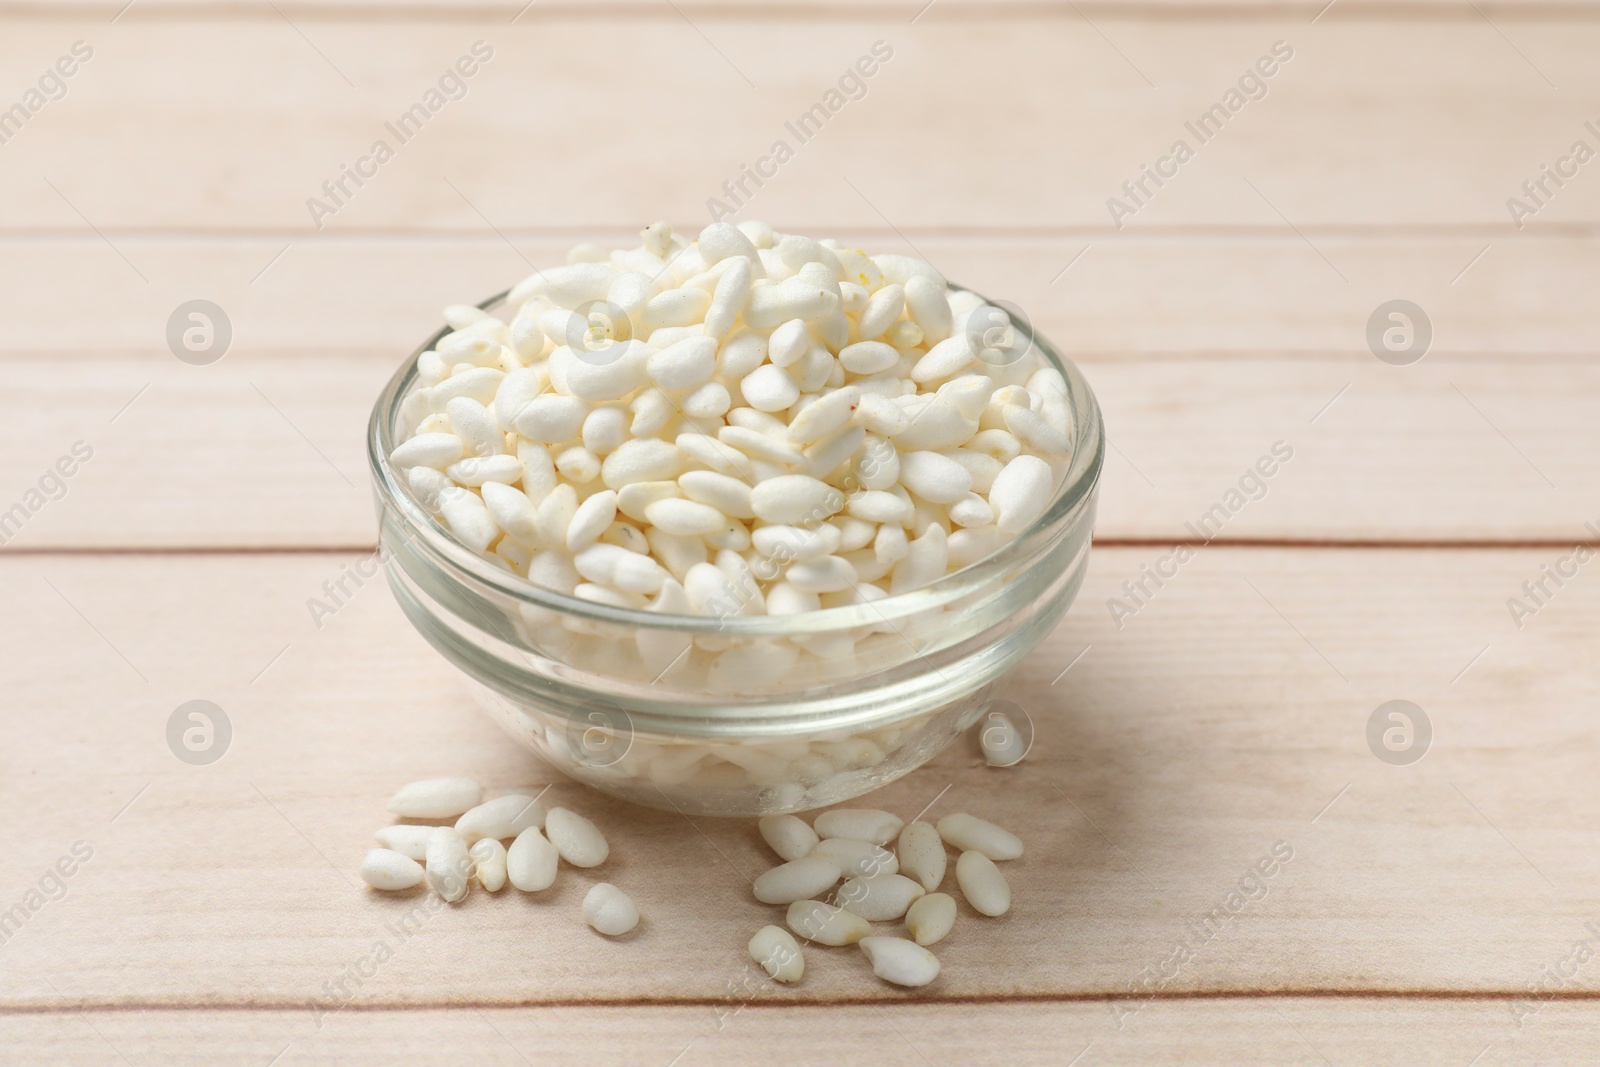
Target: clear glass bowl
x=746 y=714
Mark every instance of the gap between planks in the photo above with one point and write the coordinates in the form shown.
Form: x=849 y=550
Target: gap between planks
x=787 y=10
x=986 y=235
x=1224 y=995
x=1240 y=543
x=1142 y=357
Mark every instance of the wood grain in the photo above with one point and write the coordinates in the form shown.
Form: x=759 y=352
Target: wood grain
x=1364 y=127
x=943 y=10
x=1125 y=297
x=1293 y=1031
x=1166 y=763
x=267 y=449
x=1174 y=745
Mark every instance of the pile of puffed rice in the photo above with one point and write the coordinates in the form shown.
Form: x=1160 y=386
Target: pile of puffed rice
x=880 y=884
x=451 y=857
x=796 y=420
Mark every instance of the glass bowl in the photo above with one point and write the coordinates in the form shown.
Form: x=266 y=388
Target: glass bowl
x=737 y=714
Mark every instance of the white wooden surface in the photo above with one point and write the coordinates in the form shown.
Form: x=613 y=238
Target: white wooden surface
x=1228 y=714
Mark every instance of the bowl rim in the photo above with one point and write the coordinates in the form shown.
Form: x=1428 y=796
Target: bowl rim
x=427 y=533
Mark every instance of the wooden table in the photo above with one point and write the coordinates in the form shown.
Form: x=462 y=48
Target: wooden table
x=1229 y=713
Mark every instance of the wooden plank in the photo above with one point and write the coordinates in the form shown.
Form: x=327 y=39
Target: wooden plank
x=1380 y=122
x=1191 y=1034
x=506 y=10
x=268 y=450
x=1227 y=715
x=1128 y=296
